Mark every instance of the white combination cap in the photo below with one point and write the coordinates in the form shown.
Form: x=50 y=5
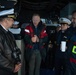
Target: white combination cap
x=16 y=23
x=7 y=13
x=64 y=20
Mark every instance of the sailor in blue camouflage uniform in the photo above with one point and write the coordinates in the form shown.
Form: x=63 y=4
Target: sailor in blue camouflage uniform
x=60 y=53
x=71 y=49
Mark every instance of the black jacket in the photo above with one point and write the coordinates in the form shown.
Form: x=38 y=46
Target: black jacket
x=41 y=33
x=9 y=52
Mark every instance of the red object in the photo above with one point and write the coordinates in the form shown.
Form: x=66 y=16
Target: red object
x=73 y=60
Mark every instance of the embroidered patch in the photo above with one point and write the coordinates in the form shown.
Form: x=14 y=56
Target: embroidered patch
x=26 y=30
x=74 y=50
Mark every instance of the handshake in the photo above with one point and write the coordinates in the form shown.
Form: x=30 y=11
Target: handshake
x=35 y=39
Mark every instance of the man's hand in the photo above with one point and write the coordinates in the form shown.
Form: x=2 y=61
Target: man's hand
x=17 y=67
x=34 y=39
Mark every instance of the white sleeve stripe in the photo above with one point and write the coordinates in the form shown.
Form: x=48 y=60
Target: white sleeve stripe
x=26 y=30
x=45 y=31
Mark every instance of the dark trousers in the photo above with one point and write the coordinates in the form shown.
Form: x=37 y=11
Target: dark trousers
x=4 y=72
x=70 y=70
x=34 y=63
x=59 y=65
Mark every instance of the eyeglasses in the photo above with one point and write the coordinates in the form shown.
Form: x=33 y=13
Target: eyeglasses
x=10 y=19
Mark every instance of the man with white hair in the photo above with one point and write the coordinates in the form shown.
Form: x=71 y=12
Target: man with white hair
x=10 y=62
